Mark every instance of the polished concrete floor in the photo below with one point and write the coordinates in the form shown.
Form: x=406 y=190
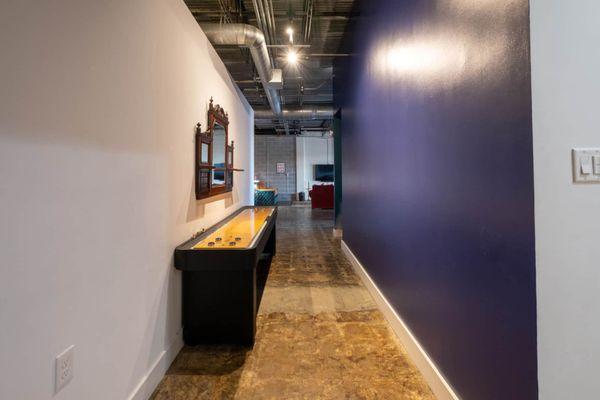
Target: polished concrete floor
x=319 y=335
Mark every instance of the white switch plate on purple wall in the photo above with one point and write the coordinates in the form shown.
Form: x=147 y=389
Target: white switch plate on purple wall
x=586 y=165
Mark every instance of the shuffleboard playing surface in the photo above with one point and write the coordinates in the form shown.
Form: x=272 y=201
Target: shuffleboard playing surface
x=239 y=233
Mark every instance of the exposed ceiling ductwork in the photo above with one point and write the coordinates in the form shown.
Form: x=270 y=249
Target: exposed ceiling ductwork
x=307 y=113
x=251 y=37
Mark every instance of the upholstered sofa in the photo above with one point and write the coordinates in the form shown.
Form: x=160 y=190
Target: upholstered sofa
x=265 y=197
x=321 y=196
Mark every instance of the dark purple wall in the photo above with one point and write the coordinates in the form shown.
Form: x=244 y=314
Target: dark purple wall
x=438 y=181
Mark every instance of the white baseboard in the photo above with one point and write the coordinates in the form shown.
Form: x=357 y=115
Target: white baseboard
x=434 y=378
x=151 y=380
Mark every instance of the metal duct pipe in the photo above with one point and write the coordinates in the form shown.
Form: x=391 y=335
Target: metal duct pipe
x=251 y=37
x=304 y=114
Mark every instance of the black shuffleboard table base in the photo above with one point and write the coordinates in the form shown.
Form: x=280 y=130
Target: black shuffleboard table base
x=220 y=288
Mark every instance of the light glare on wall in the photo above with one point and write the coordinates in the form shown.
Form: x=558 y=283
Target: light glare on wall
x=412 y=58
x=419 y=60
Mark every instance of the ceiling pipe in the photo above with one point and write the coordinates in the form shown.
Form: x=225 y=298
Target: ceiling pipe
x=251 y=37
x=306 y=113
x=260 y=12
x=270 y=20
x=259 y=20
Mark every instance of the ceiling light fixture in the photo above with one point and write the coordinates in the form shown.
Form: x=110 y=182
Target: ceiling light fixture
x=290 y=33
x=292 y=57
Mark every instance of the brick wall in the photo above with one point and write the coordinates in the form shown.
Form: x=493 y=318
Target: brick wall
x=270 y=150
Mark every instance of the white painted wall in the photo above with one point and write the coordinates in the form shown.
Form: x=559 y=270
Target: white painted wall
x=311 y=151
x=98 y=103
x=565 y=67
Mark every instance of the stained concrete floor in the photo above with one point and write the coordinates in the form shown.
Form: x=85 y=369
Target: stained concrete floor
x=320 y=335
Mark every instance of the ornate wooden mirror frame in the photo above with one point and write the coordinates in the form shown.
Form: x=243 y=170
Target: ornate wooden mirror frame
x=204 y=165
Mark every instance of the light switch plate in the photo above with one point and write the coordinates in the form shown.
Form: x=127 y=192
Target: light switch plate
x=596 y=164
x=585 y=165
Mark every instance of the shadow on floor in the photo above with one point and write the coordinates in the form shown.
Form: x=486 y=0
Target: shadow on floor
x=203 y=372
x=217 y=360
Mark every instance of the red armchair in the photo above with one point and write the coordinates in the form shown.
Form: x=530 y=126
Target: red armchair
x=321 y=196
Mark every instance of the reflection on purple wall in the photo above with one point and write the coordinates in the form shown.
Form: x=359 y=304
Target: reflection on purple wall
x=438 y=179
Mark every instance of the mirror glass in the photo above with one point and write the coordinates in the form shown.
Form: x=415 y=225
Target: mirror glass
x=218 y=145
x=204 y=154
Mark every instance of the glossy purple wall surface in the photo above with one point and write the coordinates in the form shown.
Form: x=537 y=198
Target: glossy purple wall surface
x=438 y=181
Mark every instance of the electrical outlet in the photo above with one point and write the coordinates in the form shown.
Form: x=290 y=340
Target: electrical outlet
x=64 y=368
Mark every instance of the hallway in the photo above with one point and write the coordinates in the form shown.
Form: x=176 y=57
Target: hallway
x=319 y=335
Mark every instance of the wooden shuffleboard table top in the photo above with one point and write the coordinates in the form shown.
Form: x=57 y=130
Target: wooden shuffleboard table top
x=239 y=232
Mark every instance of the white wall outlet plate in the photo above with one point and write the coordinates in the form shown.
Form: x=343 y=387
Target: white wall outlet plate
x=584 y=168
x=64 y=368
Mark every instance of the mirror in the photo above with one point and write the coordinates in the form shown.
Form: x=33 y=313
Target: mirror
x=204 y=153
x=219 y=141
x=214 y=156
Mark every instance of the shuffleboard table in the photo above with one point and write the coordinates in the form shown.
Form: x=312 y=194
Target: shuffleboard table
x=220 y=293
